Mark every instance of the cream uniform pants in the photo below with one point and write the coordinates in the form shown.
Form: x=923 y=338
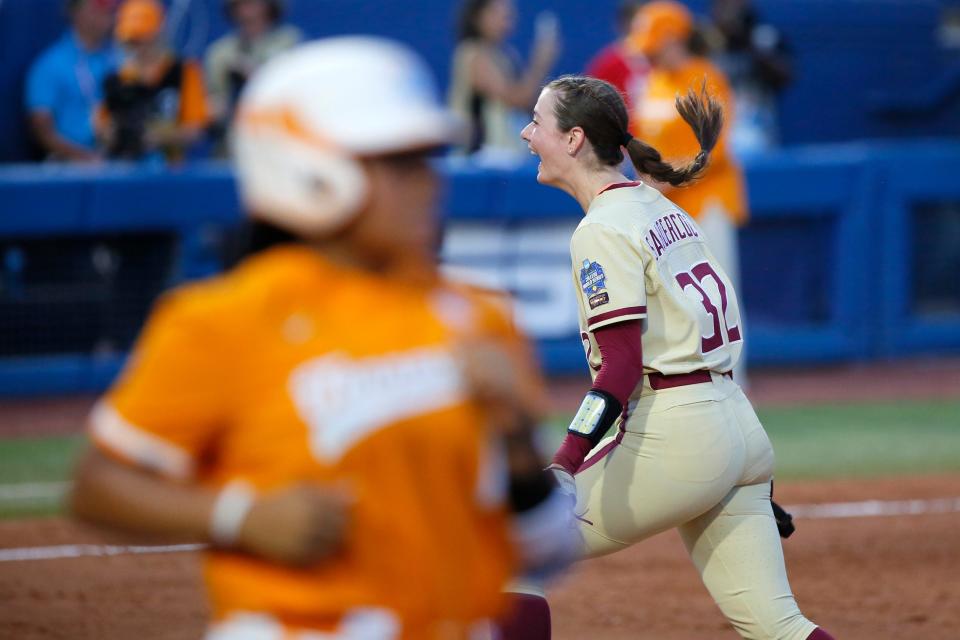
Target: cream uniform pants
x=697 y=458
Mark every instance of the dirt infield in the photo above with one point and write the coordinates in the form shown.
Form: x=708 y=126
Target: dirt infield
x=862 y=578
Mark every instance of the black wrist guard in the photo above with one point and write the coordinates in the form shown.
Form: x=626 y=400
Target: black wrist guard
x=597 y=413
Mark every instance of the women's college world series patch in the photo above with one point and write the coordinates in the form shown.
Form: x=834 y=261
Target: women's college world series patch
x=593 y=281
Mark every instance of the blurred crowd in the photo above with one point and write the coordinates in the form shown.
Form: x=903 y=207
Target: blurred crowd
x=733 y=47
x=113 y=88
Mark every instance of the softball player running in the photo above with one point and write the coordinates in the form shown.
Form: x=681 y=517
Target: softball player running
x=660 y=327
x=345 y=428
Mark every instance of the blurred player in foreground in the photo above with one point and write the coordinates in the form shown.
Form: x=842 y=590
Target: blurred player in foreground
x=349 y=432
x=659 y=320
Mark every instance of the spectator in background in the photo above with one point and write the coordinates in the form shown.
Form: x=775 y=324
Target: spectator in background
x=155 y=105
x=756 y=60
x=486 y=87
x=230 y=60
x=64 y=85
x=661 y=32
x=619 y=64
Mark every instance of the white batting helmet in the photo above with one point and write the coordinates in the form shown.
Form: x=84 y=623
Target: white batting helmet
x=307 y=115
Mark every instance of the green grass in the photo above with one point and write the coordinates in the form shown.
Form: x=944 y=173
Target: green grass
x=858 y=440
x=36 y=460
x=879 y=439
x=819 y=441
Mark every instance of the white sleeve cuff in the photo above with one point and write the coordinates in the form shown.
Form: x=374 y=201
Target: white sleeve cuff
x=111 y=430
x=615 y=316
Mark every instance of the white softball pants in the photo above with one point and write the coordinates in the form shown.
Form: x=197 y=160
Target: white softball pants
x=697 y=458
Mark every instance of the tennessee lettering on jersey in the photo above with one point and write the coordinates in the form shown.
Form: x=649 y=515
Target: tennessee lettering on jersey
x=332 y=394
x=667 y=230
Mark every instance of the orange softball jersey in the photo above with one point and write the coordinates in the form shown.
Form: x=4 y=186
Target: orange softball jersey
x=292 y=369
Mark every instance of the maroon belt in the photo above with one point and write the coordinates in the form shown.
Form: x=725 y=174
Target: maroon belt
x=659 y=381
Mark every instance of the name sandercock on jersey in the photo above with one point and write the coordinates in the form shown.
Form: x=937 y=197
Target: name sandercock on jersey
x=668 y=230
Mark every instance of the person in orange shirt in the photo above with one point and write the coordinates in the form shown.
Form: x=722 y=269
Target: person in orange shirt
x=155 y=105
x=350 y=432
x=718 y=202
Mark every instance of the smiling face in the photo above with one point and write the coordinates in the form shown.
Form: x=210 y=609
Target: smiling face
x=555 y=148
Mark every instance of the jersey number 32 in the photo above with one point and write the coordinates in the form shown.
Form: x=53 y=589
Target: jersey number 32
x=695 y=278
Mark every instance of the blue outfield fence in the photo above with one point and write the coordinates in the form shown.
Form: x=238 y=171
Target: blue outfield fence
x=852 y=252
x=804 y=255
x=920 y=249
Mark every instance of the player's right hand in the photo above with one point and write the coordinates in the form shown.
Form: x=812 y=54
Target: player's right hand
x=297 y=525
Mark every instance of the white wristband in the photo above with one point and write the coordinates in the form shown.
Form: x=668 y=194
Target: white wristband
x=229 y=511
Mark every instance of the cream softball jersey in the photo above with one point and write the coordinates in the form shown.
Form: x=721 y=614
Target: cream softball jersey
x=690 y=452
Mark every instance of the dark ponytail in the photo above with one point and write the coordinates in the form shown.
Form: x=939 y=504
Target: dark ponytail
x=598 y=108
x=705 y=116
